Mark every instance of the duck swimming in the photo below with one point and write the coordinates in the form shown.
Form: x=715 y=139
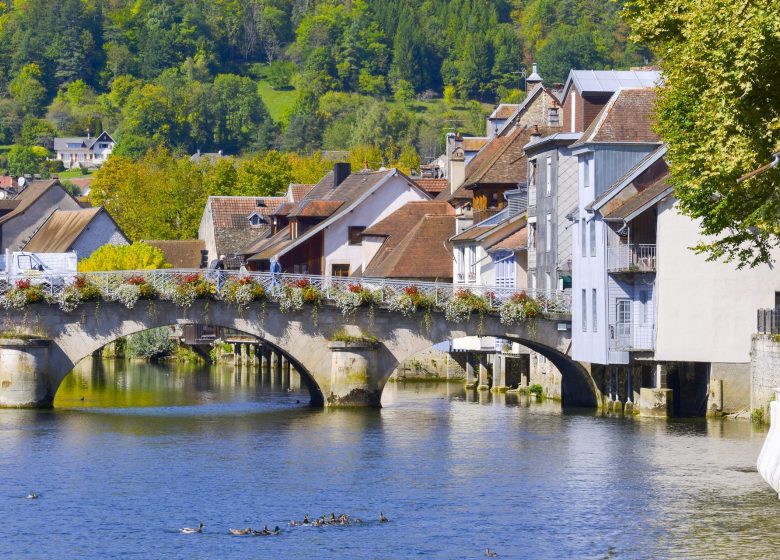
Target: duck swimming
x=192 y=530
x=490 y=553
x=240 y=532
x=382 y=518
x=32 y=496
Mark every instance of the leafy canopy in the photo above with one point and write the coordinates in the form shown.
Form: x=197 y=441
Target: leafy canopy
x=720 y=114
x=138 y=256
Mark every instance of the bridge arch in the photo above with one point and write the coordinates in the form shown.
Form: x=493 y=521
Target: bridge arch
x=297 y=336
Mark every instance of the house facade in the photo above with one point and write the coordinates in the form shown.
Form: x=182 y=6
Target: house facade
x=81 y=231
x=84 y=151
x=322 y=234
x=22 y=216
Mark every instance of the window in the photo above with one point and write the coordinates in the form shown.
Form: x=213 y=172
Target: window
x=548 y=232
x=339 y=270
x=255 y=220
x=584 y=308
x=354 y=234
x=548 y=178
x=593 y=238
x=532 y=174
x=594 y=311
x=553 y=118
x=460 y=259
x=504 y=262
x=103 y=145
x=471 y=263
x=532 y=235
x=586 y=171
x=573 y=100
x=493 y=200
x=623 y=311
x=583 y=238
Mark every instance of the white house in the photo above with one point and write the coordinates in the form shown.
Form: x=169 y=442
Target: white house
x=84 y=151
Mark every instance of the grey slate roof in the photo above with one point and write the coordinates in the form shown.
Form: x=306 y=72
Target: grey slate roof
x=609 y=81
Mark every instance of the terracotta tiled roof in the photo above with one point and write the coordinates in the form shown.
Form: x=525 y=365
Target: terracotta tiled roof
x=299 y=191
x=474 y=143
x=422 y=252
x=268 y=247
x=283 y=209
x=316 y=208
x=233 y=211
x=517 y=241
x=60 y=231
x=349 y=190
x=627 y=117
x=183 y=253
x=504 y=111
x=400 y=222
x=6 y=181
x=431 y=186
x=640 y=200
x=502 y=161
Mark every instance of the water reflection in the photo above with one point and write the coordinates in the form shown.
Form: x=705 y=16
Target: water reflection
x=152 y=448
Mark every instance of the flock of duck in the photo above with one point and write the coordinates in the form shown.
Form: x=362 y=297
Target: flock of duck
x=321 y=521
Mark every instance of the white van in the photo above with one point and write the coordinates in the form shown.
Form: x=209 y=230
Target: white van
x=55 y=269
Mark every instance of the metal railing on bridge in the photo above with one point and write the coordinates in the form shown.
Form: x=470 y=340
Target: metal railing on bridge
x=164 y=280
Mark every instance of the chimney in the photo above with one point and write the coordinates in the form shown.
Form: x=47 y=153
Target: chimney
x=533 y=79
x=340 y=172
x=456 y=161
x=535 y=134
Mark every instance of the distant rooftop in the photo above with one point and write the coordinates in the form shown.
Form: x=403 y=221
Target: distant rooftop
x=609 y=81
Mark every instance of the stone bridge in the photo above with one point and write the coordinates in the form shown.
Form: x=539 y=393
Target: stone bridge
x=70 y=325
x=350 y=374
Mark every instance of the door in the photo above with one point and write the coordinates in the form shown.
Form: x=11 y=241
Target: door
x=623 y=326
x=505 y=269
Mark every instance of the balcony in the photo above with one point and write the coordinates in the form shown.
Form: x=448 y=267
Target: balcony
x=631 y=258
x=628 y=337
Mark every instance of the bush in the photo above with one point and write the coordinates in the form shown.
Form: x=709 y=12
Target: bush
x=138 y=256
x=536 y=389
x=150 y=344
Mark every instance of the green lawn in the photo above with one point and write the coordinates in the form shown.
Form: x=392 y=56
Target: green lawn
x=279 y=102
x=71 y=174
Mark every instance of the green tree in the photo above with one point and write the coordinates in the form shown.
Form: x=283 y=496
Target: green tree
x=136 y=256
x=280 y=73
x=150 y=344
x=23 y=160
x=719 y=112
x=403 y=92
x=27 y=89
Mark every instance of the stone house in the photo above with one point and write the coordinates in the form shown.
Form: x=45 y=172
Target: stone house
x=82 y=231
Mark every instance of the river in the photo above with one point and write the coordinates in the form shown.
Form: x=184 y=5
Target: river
x=134 y=451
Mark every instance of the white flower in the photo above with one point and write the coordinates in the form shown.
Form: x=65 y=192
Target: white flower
x=69 y=299
x=128 y=294
x=403 y=304
x=513 y=312
x=347 y=301
x=14 y=299
x=291 y=299
x=457 y=310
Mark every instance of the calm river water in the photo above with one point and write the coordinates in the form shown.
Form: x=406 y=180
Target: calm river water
x=150 y=449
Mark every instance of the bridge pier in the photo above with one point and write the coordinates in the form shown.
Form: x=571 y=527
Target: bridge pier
x=499 y=373
x=484 y=381
x=470 y=380
x=351 y=379
x=24 y=374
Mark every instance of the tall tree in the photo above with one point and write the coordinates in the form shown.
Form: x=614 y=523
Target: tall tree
x=719 y=111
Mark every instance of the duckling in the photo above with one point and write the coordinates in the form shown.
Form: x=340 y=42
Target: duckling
x=192 y=530
x=305 y=519
x=293 y=523
x=490 y=553
x=240 y=532
x=32 y=496
x=382 y=518
x=276 y=530
x=332 y=519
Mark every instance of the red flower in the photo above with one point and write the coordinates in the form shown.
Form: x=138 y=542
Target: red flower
x=190 y=278
x=23 y=284
x=354 y=288
x=302 y=283
x=80 y=282
x=411 y=291
x=463 y=293
x=136 y=280
x=519 y=297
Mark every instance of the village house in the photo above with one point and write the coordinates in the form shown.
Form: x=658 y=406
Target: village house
x=321 y=234
x=670 y=321
x=22 y=216
x=182 y=253
x=81 y=231
x=229 y=223
x=84 y=151
x=416 y=233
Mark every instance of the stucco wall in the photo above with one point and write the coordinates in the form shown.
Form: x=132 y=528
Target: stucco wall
x=206 y=232
x=101 y=231
x=18 y=230
x=706 y=311
x=386 y=199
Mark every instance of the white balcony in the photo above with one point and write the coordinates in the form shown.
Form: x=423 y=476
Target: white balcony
x=629 y=337
x=631 y=258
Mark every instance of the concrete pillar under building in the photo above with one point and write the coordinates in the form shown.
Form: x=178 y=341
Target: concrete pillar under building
x=470 y=379
x=499 y=373
x=484 y=382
